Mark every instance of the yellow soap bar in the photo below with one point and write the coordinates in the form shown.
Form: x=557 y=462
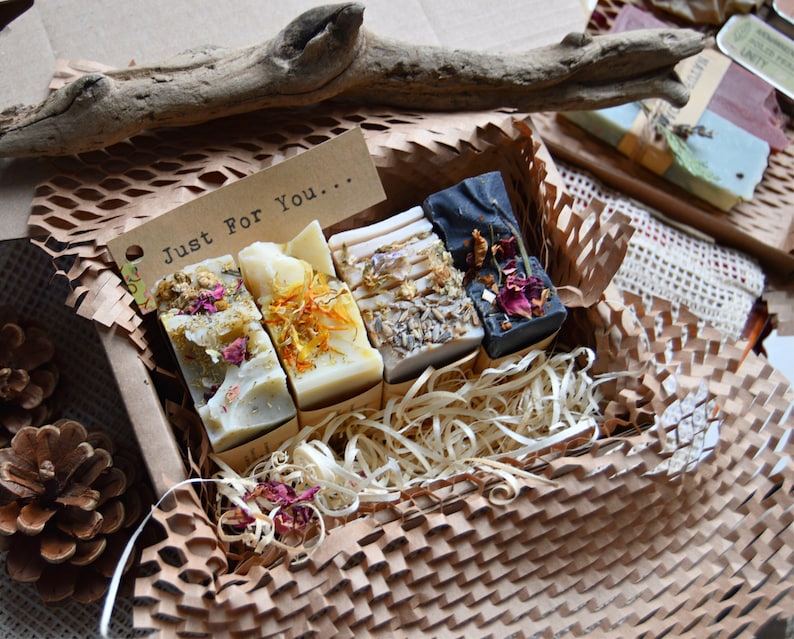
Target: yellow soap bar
x=312 y=319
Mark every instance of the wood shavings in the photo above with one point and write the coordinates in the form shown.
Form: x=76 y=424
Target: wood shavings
x=447 y=424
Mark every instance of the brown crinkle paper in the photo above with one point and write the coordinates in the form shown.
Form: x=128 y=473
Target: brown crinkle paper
x=677 y=522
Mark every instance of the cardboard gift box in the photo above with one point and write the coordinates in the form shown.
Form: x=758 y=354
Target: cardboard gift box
x=686 y=492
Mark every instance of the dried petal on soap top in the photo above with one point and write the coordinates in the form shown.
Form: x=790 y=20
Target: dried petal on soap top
x=303 y=316
x=524 y=296
x=480 y=249
x=235 y=352
x=208 y=300
x=384 y=267
x=506 y=248
x=207 y=294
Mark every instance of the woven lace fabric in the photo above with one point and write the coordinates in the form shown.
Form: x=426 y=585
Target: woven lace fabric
x=717 y=284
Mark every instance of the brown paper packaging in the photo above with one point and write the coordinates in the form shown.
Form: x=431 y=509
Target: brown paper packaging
x=677 y=521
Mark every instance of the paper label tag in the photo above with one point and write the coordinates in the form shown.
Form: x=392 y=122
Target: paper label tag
x=761 y=49
x=328 y=183
x=702 y=75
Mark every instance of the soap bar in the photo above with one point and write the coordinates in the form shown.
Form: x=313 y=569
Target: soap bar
x=312 y=319
x=733 y=160
x=717 y=146
x=226 y=357
x=514 y=296
x=411 y=297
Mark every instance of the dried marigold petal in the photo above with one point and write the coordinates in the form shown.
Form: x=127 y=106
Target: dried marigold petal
x=303 y=317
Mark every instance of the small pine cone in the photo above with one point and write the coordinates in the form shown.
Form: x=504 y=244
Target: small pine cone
x=65 y=510
x=28 y=377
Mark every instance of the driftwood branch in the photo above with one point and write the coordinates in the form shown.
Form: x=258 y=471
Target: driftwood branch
x=325 y=54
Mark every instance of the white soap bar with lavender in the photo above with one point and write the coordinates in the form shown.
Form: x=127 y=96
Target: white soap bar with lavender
x=227 y=359
x=411 y=296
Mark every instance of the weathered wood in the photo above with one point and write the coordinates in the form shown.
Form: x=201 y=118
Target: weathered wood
x=324 y=54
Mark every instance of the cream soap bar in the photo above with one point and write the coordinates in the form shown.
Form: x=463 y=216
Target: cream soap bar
x=312 y=318
x=411 y=296
x=226 y=357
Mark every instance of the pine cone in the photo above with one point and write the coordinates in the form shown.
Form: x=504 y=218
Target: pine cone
x=28 y=376
x=65 y=509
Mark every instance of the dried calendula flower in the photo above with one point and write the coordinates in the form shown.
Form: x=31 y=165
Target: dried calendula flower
x=303 y=316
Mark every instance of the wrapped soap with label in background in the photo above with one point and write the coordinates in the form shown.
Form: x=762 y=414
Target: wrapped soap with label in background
x=716 y=147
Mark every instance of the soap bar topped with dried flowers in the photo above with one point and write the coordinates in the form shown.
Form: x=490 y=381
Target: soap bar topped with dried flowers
x=226 y=357
x=514 y=296
x=312 y=318
x=411 y=296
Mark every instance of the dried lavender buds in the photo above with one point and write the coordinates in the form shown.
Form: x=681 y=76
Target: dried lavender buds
x=410 y=294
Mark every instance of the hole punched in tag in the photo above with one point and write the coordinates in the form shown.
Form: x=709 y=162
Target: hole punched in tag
x=132 y=278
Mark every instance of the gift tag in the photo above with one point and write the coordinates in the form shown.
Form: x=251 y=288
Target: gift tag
x=328 y=183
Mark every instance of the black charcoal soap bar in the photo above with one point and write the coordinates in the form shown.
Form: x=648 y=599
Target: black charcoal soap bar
x=513 y=295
